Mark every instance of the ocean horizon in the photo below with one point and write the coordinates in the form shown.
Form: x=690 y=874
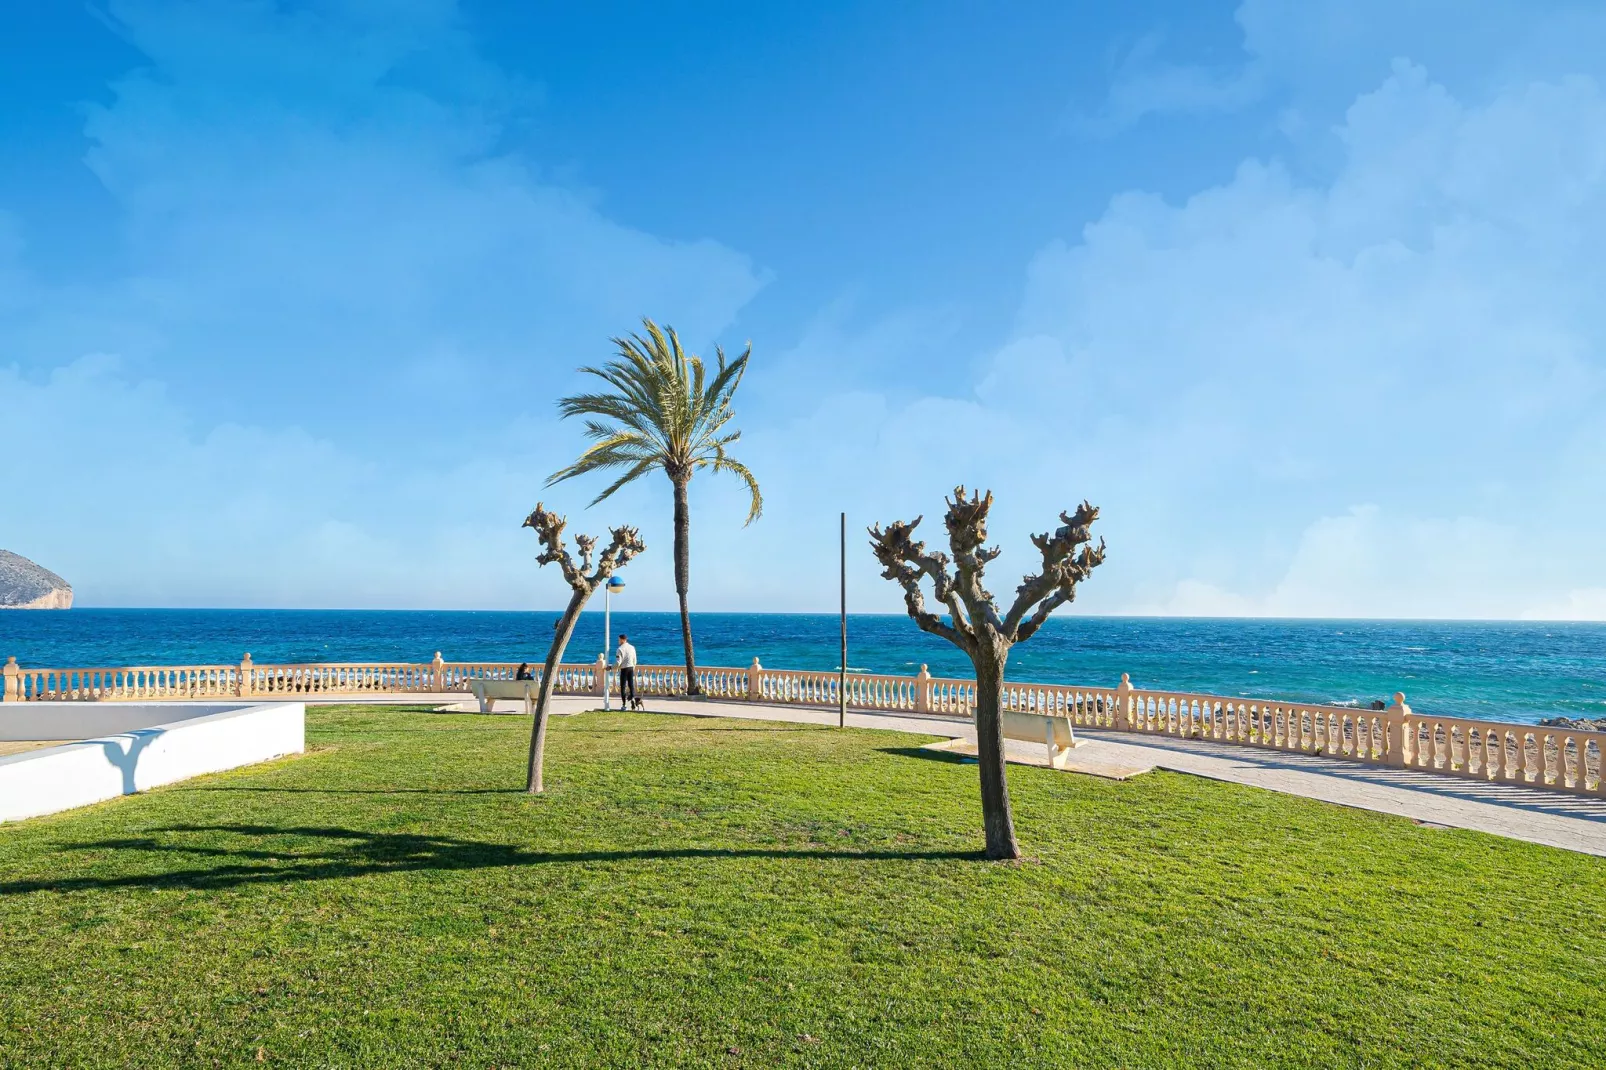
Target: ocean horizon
x=1504 y=670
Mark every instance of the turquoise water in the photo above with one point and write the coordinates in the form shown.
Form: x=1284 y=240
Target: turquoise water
x=1507 y=671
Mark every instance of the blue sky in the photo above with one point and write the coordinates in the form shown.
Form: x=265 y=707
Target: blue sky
x=1306 y=295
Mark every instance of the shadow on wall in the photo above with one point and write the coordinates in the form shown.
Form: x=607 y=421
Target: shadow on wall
x=239 y=857
x=127 y=761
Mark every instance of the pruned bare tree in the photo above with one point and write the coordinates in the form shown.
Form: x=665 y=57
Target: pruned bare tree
x=973 y=623
x=583 y=579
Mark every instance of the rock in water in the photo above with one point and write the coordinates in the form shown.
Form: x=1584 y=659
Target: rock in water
x=24 y=585
x=1576 y=724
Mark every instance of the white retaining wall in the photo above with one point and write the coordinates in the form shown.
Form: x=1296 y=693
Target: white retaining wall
x=175 y=741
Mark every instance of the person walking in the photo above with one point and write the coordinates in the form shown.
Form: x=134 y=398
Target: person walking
x=627 y=674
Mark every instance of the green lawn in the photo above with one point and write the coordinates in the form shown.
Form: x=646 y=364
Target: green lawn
x=725 y=893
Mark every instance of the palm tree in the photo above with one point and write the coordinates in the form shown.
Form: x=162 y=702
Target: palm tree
x=662 y=411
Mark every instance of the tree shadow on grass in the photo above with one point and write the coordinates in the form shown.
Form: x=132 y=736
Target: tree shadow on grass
x=946 y=757
x=358 y=791
x=704 y=726
x=342 y=853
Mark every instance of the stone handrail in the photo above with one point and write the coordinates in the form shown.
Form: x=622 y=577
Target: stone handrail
x=1536 y=756
x=1497 y=751
x=250 y=679
x=1310 y=728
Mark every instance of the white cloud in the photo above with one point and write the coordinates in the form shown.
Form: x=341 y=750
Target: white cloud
x=121 y=492
x=315 y=199
x=331 y=362
x=1144 y=84
x=1378 y=395
x=1306 y=59
x=1366 y=564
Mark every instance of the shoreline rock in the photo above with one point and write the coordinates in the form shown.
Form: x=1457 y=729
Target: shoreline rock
x=1577 y=724
x=25 y=585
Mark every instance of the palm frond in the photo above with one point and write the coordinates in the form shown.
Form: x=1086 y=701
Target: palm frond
x=710 y=430
x=633 y=399
x=611 y=453
x=729 y=378
x=607 y=406
x=635 y=473
x=731 y=464
x=658 y=406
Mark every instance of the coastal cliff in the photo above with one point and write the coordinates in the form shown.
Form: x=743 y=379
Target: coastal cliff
x=24 y=585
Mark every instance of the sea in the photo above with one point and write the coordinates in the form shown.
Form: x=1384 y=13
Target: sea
x=1499 y=670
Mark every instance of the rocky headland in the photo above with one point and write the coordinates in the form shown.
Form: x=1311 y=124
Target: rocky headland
x=25 y=585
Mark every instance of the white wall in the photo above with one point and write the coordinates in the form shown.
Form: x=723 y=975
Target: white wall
x=76 y=774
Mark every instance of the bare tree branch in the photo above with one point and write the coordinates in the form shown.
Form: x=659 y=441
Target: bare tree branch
x=587 y=544
x=1028 y=629
x=905 y=562
x=1063 y=568
x=549 y=529
x=967 y=532
x=1067 y=554
x=625 y=544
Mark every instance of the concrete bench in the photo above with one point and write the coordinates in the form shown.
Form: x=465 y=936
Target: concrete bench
x=488 y=691
x=1056 y=733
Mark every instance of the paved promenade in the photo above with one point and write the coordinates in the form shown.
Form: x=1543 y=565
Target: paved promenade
x=1547 y=817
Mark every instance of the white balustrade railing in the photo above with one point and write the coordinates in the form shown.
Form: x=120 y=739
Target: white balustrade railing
x=1087 y=707
x=1311 y=728
x=1534 y=755
x=1495 y=751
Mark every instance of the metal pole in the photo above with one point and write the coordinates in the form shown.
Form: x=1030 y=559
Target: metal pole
x=607 y=630
x=842 y=673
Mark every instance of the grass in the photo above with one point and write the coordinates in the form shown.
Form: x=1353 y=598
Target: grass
x=698 y=892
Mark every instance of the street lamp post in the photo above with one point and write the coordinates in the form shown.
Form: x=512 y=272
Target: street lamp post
x=614 y=584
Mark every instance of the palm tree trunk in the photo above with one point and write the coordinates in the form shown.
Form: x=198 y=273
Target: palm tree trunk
x=549 y=682
x=995 y=814
x=683 y=579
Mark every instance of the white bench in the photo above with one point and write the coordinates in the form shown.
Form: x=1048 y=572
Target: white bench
x=1056 y=733
x=488 y=691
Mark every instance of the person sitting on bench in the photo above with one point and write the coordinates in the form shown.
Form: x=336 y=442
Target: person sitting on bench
x=524 y=672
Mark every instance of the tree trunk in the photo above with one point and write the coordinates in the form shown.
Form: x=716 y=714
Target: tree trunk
x=549 y=682
x=995 y=815
x=682 y=580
